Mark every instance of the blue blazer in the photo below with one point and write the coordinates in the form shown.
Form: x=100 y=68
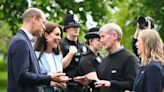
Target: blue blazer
x=149 y=78
x=44 y=67
x=23 y=72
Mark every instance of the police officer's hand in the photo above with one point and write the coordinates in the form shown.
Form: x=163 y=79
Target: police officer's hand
x=73 y=49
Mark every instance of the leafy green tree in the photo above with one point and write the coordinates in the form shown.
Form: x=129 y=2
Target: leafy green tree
x=54 y=9
x=123 y=12
x=152 y=8
x=5 y=36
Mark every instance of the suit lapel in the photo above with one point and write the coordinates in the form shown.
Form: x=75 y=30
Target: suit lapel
x=32 y=52
x=139 y=77
x=24 y=34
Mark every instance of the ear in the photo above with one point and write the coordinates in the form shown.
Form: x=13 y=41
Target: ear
x=46 y=35
x=115 y=35
x=33 y=20
x=90 y=41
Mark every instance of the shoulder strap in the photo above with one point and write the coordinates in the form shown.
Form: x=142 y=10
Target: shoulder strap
x=40 y=54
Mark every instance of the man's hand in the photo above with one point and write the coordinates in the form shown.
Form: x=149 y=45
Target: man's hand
x=82 y=79
x=103 y=83
x=59 y=77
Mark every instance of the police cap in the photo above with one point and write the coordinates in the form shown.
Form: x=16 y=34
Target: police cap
x=71 y=20
x=92 y=33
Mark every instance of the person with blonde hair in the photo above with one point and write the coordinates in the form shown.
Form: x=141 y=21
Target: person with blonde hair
x=150 y=50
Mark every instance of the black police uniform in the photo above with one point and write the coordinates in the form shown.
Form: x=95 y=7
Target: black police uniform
x=72 y=70
x=89 y=63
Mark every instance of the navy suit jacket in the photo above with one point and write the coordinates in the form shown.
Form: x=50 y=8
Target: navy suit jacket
x=23 y=72
x=150 y=78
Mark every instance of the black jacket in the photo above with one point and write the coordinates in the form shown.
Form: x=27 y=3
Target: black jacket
x=150 y=78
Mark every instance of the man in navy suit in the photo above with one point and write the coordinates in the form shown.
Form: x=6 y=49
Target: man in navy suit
x=23 y=74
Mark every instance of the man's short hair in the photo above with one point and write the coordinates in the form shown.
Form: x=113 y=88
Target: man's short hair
x=32 y=12
x=110 y=27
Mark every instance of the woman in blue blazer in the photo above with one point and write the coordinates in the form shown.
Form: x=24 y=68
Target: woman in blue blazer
x=150 y=50
x=48 y=53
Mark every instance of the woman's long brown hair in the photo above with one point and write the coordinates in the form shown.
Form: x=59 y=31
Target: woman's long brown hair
x=41 y=44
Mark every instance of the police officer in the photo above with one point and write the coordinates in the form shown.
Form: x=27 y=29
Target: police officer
x=89 y=63
x=72 y=50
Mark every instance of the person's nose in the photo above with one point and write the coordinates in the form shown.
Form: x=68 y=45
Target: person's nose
x=136 y=44
x=59 y=38
x=101 y=40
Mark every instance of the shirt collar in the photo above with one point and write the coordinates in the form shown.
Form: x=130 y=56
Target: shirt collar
x=29 y=35
x=117 y=50
x=71 y=42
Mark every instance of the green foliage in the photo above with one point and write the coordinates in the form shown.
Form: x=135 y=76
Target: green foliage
x=12 y=11
x=152 y=8
x=123 y=12
x=3 y=73
x=5 y=36
x=55 y=10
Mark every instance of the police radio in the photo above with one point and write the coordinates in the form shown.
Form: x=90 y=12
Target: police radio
x=80 y=53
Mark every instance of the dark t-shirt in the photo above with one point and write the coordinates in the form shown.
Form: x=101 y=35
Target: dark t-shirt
x=120 y=69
